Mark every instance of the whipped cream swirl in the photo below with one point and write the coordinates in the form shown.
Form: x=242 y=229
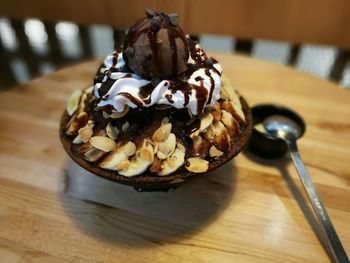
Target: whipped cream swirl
x=120 y=87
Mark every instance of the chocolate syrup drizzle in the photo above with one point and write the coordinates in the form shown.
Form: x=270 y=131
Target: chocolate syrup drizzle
x=115 y=59
x=212 y=83
x=169 y=97
x=145 y=93
x=196 y=53
x=105 y=87
x=134 y=100
x=201 y=96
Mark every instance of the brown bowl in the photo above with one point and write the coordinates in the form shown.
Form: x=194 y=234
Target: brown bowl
x=147 y=182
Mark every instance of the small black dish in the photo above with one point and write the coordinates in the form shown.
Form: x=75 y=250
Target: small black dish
x=263 y=144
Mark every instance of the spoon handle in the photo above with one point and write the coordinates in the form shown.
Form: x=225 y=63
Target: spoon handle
x=322 y=215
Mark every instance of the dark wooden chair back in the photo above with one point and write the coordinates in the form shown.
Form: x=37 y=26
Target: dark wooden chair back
x=296 y=21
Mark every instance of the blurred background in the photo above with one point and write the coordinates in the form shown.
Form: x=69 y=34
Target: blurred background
x=38 y=37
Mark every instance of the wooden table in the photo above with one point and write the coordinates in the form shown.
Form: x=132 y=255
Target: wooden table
x=249 y=210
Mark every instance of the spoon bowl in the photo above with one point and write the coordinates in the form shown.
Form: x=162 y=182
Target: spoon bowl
x=265 y=144
x=282 y=127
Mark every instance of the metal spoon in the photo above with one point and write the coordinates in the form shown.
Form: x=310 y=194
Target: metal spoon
x=286 y=129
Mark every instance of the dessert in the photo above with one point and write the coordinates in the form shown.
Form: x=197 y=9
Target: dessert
x=159 y=111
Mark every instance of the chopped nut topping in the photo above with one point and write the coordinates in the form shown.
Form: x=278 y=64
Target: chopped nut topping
x=219 y=136
x=124 y=165
x=173 y=162
x=113 y=160
x=180 y=146
x=206 y=120
x=146 y=154
x=162 y=133
x=77 y=121
x=142 y=160
x=112 y=131
x=162 y=153
x=73 y=127
x=197 y=165
x=125 y=126
x=214 y=152
x=73 y=102
x=85 y=133
x=105 y=144
x=85 y=147
x=216 y=111
x=229 y=122
x=116 y=115
x=130 y=148
x=167 y=147
x=93 y=155
x=227 y=118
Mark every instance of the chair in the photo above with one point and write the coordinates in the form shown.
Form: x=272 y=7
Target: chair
x=316 y=22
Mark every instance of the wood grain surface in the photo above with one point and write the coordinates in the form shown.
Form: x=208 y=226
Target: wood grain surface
x=250 y=210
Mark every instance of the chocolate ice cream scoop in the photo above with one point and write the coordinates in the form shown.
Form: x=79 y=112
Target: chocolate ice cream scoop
x=156 y=46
